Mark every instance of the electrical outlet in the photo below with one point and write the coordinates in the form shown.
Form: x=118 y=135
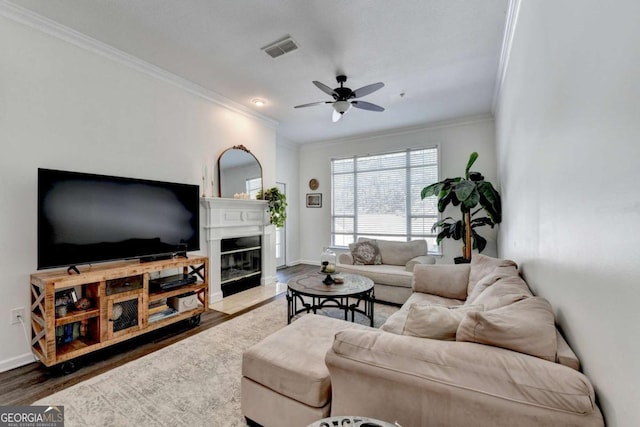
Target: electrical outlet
x=15 y=313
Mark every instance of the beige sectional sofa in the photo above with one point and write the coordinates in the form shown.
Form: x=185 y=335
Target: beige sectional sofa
x=393 y=275
x=498 y=361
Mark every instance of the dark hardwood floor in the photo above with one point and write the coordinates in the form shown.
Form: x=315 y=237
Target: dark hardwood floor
x=26 y=384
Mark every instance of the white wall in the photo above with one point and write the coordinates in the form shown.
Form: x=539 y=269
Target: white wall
x=457 y=140
x=65 y=107
x=287 y=173
x=568 y=151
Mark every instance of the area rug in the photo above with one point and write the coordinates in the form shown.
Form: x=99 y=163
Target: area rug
x=194 y=382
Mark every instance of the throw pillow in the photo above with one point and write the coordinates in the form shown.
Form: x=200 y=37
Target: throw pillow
x=437 y=322
x=526 y=326
x=365 y=253
x=504 y=292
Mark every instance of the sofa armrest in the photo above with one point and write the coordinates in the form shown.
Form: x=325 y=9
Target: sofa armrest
x=419 y=381
x=421 y=259
x=345 y=258
x=445 y=280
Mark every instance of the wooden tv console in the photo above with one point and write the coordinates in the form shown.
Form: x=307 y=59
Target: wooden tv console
x=122 y=306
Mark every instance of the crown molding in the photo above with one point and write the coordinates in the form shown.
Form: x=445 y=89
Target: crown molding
x=505 y=53
x=400 y=131
x=62 y=32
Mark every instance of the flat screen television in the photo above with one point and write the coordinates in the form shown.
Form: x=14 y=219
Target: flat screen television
x=87 y=218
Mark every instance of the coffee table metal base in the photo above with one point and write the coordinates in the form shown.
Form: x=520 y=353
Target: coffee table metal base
x=306 y=302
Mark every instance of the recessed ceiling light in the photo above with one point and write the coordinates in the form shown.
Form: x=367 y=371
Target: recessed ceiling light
x=258 y=102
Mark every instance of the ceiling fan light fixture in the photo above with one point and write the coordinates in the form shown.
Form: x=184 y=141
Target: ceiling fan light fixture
x=341 y=106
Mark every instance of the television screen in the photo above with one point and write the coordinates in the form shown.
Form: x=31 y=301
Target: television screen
x=85 y=218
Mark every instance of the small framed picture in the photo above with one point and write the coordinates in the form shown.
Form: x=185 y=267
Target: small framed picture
x=314 y=200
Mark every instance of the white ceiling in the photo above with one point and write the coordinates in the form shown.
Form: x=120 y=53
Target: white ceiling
x=442 y=54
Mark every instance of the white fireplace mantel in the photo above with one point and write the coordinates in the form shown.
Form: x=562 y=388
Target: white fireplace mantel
x=229 y=218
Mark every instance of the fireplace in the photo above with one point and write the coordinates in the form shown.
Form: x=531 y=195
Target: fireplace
x=240 y=264
x=245 y=224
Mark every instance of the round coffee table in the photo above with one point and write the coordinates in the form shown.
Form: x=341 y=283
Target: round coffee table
x=346 y=296
x=345 y=421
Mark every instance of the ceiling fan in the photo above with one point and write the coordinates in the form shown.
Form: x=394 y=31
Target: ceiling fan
x=344 y=98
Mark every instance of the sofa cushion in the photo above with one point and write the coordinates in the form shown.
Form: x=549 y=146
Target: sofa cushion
x=395 y=322
x=504 y=292
x=482 y=265
x=392 y=275
x=526 y=326
x=422 y=259
x=365 y=253
x=400 y=253
x=437 y=322
x=463 y=367
x=446 y=280
x=488 y=280
x=291 y=360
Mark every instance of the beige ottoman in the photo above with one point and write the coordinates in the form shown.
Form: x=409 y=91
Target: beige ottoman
x=285 y=381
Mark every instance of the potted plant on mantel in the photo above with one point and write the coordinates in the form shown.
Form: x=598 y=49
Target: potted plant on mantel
x=469 y=192
x=277 y=205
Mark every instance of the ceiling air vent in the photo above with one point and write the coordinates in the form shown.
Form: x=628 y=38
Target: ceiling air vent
x=282 y=46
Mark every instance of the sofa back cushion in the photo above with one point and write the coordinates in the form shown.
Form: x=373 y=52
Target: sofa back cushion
x=527 y=326
x=437 y=322
x=482 y=265
x=488 y=280
x=399 y=253
x=445 y=280
x=505 y=291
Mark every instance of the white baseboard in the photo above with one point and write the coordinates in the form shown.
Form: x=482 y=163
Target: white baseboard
x=214 y=297
x=16 y=362
x=307 y=261
x=268 y=280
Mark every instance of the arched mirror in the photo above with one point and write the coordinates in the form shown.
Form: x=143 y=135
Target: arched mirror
x=239 y=171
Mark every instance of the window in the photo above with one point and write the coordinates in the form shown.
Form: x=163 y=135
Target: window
x=379 y=197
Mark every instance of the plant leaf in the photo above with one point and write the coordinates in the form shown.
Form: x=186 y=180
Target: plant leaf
x=476 y=176
x=464 y=189
x=468 y=195
x=479 y=242
x=432 y=190
x=444 y=201
x=472 y=159
x=458 y=231
x=442 y=223
x=479 y=222
x=490 y=201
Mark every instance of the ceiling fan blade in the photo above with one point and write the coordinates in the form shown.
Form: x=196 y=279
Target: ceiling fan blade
x=336 y=116
x=366 y=90
x=326 y=89
x=366 y=106
x=311 y=104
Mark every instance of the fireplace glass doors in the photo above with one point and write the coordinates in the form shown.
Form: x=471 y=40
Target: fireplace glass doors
x=240 y=261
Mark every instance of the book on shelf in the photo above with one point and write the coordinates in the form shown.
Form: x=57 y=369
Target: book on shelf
x=162 y=314
x=157 y=308
x=158 y=303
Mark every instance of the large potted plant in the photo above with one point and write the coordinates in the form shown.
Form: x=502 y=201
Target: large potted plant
x=474 y=196
x=277 y=205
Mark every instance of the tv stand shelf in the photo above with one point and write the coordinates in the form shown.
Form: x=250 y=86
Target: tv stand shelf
x=120 y=305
